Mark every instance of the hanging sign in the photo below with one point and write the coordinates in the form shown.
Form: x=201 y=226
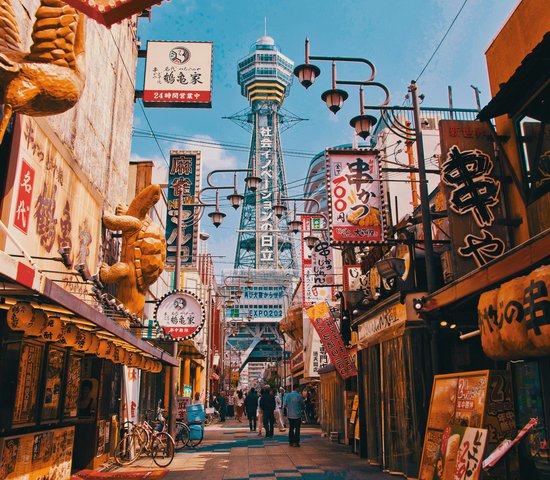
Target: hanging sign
x=318 y=267
x=181 y=314
x=515 y=319
x=331 y=338
x=470 y=181
x=184 y=177
x=355 y=196
x=132 y=380
x=178 y=74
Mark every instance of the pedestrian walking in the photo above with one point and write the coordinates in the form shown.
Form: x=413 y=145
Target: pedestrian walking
x=279 y=411
x=238 y=400
x=222 y=406
x=268 y=408
x=260 y=414
x=251 y=408
x=230 y=404
x=294 y=403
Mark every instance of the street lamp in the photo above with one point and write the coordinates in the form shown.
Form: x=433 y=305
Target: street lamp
x=363 y=125
x=310 y=240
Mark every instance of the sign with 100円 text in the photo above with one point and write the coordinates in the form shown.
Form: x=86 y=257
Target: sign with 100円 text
x=178 y=74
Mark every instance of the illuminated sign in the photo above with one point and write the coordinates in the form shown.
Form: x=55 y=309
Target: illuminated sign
x=264 y=199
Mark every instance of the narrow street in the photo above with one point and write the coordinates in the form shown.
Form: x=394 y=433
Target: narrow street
x=232 y=452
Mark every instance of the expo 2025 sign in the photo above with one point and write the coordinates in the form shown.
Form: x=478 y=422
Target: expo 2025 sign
x=181 y=314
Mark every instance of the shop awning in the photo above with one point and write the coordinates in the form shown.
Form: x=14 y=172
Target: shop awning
x=528 y=89
x=189 y=349
x=21 y=282
x=524 y=257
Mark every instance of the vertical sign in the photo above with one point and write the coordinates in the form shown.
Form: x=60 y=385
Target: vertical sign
x=355 y=196
x=265 y=151
x=470 y=178
x=184 y=177
x=318 y=263
x=178 y=74
x=132 y=378
x=24 y=198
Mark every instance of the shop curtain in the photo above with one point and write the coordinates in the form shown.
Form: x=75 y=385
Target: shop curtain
x=372 y=401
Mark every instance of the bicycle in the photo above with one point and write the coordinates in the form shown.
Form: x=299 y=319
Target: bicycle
x=147 y=438
x=183 y=434
x=212 y=416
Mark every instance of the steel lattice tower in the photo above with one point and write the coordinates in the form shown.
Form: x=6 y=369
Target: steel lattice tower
x=265 y=76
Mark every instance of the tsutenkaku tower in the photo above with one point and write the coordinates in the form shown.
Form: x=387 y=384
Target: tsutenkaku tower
x=265 y=76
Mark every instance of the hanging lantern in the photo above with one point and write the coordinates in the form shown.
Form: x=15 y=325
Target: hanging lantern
x=70 y=334
x=157 y=367
x=102 y=348
x=94 y=346
x=119 y=355
x=83 y=341
x=147 y=365
x=23 y=317
x=53 y=331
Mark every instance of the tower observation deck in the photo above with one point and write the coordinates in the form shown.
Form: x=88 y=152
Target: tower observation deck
x=265 y=76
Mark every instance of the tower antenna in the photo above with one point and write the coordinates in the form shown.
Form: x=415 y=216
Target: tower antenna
x=265 y=26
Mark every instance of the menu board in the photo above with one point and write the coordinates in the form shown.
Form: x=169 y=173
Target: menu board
x=73 y=384
x=52 y=392
x=479 y=400
x=27 y=384
x=38 y=456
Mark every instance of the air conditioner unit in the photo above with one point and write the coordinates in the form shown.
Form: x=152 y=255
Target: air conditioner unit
x=427 y=123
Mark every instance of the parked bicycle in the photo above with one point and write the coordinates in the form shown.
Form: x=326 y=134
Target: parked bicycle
x=212 y=416
x=146 y=438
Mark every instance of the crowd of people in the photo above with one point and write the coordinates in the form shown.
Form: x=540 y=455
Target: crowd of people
x=265 y=410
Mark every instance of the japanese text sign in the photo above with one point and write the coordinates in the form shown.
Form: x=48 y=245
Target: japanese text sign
x=181 y=314
x=318 y=263
x=24 y=197
x=331 y=339
x=515 y=319
x=184 y=178
x=469 y=174
x=355 y=196
x=178 y=74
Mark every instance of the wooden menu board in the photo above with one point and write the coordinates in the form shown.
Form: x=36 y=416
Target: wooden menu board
x=482 y=400
x=27 y=384
x=38 y=456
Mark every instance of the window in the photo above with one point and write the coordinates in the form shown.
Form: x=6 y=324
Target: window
x=534 y=144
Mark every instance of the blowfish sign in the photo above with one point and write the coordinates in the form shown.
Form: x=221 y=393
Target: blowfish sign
x=355 y=196
x=180 y=314
x=515 y=319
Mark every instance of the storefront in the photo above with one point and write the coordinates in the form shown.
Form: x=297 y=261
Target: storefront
x=394 y=385
x=61 y=375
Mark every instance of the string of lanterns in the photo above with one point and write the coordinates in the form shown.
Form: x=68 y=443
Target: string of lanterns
x=33 y=322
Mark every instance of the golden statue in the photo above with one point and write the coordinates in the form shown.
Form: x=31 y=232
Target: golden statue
x=143 y=252
x=50 y=78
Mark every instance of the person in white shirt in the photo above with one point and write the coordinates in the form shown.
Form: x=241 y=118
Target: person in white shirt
x=238 y=400
x=279 y=410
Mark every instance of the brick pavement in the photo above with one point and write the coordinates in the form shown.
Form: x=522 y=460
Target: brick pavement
x=232 y=452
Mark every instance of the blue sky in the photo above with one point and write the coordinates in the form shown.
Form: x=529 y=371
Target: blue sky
x=398 y=36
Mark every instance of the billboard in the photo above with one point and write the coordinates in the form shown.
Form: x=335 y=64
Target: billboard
x=178 y=74
x=181 y=314
x=259 y=303
x=355 y=196
x=184 y=177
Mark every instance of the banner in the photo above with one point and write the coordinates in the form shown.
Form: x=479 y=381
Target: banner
x=355 y=197
x=178 y=74
x=181 y=314
x=470 y=177
x=318 y=269
x=331 y=339
x=185 y=179
x=515 y=319
x=132 y=380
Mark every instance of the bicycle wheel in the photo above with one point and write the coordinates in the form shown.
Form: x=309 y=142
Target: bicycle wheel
x=182 y=435
x=128 y=449
x=195 y=436
x=162 y=448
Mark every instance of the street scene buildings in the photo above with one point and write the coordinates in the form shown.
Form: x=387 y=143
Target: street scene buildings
x=396 y=277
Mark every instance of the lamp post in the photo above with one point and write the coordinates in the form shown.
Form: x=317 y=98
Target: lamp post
x=334 y=98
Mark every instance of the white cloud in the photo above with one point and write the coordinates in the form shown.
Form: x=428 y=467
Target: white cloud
x=213 y=155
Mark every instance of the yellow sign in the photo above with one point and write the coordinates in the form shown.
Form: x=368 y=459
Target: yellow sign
x=515 y=319
x=318 y=311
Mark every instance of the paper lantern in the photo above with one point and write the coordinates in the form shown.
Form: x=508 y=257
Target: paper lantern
x=133 y=359
x=94 y=346
x=53 y=331
x=83 y=341
x=147 y=363
x=103 y=348
x=70 y=334
x=536 y=304
x=23 y=317
x=491 y=341
x=157 y=367
x=139 y=361
x=119 y=355
x=111 y=351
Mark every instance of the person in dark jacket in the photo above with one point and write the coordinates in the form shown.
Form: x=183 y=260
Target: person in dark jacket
x=267 y=404
x=223 y=407
x=251 y=406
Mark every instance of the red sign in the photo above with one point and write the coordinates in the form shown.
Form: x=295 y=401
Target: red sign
x=109 y=12
x=181 y=314
x=355 y=196
x=331 y=339
x=24 y=198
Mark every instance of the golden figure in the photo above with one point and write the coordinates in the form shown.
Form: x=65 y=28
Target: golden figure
x=50 y=78
x=143 y=252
